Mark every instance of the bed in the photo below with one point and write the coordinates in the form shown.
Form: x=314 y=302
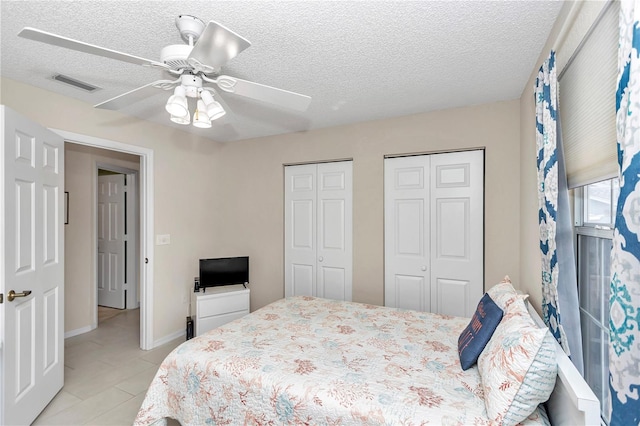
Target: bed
x=305 y=360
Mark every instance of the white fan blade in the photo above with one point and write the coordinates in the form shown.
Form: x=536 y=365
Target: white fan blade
x=56 y=40
x=263 y=93
x=216 y=46
x=132 y=96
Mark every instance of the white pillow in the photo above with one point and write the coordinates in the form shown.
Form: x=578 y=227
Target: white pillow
x=518 y=366
x=503 y=293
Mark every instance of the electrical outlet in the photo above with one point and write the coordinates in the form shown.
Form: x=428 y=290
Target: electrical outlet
x=163 y=239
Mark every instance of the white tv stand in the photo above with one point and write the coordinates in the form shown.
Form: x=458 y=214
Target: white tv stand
x=218 y=306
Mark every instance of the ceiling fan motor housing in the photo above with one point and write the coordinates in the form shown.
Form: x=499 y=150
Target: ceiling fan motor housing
x=175 y=55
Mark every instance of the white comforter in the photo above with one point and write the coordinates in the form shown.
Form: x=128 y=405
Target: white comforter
x=305 y=360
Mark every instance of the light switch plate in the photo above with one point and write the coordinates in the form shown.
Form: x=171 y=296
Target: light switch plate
x=162 y=240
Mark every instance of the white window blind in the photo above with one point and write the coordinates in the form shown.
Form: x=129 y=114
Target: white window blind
x=587 y=103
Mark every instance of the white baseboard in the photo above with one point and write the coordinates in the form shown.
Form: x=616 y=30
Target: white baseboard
x=78 y=331
x=166 y=339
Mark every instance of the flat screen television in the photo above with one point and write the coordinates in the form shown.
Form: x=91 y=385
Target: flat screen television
x=224 y=271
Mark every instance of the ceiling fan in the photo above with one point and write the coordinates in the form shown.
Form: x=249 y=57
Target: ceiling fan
x=196 y=63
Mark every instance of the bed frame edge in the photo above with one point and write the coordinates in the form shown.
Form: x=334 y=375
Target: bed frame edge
x=572 y=401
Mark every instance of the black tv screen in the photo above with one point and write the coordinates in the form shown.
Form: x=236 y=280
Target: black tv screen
x=224 y=271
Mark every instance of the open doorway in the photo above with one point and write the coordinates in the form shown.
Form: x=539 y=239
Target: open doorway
x=117 y=224
x=102 y=238
x=76 y=319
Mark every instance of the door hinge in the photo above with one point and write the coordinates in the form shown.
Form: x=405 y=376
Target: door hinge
x=1 y=297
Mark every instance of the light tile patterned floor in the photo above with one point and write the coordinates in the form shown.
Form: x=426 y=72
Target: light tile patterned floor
x=106 y=375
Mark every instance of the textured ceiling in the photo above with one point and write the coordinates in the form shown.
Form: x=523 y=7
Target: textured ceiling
x=359 y=61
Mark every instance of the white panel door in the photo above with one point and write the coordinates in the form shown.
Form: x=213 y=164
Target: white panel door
x=334 y=230
x=111 y=241
x=406 y=233
x=457 y=221
x=300 y=230
x=318 y=230
x=434 y=219
x=32 y=248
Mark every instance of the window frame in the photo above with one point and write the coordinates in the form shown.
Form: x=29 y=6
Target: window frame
x=596 y=230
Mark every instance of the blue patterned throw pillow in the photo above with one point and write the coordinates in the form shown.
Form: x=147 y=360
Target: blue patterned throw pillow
x=474 y=338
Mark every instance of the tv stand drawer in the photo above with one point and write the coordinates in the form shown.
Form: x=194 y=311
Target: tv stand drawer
x=205 y=324
x=217 y=304
x=214 y=309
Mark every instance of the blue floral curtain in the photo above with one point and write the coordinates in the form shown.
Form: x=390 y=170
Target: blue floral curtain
x=624 y=300
x=559 y=283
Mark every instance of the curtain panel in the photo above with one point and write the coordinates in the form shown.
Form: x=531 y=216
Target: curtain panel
x=624 y=299
x=559 y=283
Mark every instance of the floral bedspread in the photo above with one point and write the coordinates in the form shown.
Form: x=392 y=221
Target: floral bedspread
x=305 y=360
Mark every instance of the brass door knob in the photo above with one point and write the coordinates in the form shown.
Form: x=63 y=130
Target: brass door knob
x=12 y=295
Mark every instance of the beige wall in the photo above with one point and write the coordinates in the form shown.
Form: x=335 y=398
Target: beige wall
x=184 y=195
x=250 y=214
x=80 y=241
x=227 y=199
x=564 y=37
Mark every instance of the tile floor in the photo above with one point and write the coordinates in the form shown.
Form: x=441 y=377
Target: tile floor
x=106 y=375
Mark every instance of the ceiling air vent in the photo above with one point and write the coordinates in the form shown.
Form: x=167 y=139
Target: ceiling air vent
x=75 y=83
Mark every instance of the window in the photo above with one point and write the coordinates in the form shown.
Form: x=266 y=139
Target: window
x=599 y=203
x=594 y=213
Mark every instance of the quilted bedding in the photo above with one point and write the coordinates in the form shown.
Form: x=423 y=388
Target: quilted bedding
x=305 y=360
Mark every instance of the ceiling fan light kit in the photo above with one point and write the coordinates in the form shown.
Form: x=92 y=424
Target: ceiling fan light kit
x=209 y=47
x=200 y=117
x=177 y=103
x=181 y=120
x=214 y=109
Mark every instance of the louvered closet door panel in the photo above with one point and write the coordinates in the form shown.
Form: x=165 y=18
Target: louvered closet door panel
x=300 y=230
x=406 y=215
x=457 y=181
x=334 y=213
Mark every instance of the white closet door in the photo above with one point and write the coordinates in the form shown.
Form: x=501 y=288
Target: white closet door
x=406 y=213
x=457 y=220
x=300 y=230
x=434 y=232
x=334 y=250
x=318 y=230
